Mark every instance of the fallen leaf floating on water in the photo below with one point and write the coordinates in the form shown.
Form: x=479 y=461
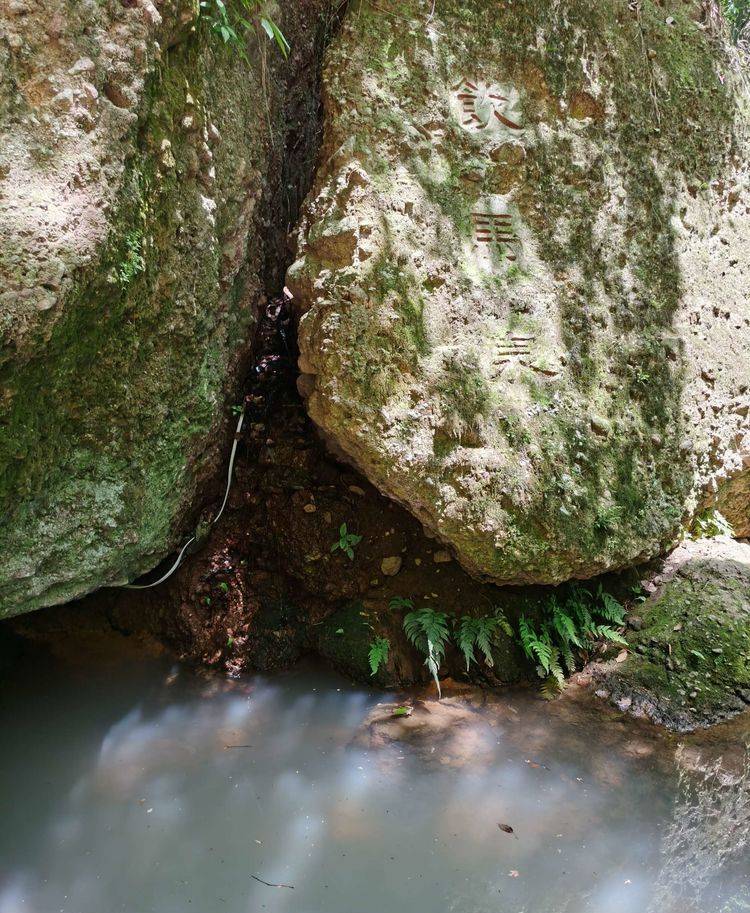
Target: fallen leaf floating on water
x=513 y=873
x=506 y=827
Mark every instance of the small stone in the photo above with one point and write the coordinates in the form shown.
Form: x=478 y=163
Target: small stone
x=391 y=566
x=82 y=65
x=356 y=490
x=635 y=622
x=442 y=556
x=600 y=425
x=624 y=703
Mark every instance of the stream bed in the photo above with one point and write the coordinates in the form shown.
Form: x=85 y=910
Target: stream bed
x=130 y=783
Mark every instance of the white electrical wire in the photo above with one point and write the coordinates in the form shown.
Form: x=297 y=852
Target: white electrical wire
x=178 y=562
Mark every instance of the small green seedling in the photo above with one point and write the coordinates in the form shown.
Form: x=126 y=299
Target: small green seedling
x=346 y=542
x=224 y=587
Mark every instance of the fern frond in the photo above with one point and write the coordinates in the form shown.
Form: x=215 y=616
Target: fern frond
x=486 y=629
x=428 y=631
x=610 y=608
x=536 y=647
x=568 y=658
x=465 y=638
x=527 y=635
x=433 y=665
x=400 y=603
x=555 y=668
x=608 y=633
x=551 y=688
x=378 y=654
x=503 y=622
x=565 y=627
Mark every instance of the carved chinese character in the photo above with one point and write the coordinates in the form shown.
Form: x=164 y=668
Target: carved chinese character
x=482 y=107
x=514 y=348
x=495 y=229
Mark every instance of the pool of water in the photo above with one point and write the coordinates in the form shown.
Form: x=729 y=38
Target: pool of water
x=135 y=784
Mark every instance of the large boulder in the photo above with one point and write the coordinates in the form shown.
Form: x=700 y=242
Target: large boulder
x=523 y=274
x=138 y=160
x=691 y=660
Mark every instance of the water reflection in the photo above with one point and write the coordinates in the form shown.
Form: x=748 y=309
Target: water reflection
x=707 y=837
x=144 y=787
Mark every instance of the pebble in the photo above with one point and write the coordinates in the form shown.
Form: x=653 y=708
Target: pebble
x=391 y=566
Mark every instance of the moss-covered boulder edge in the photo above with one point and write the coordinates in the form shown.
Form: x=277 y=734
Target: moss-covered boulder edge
x=522 y=279
x=690 y=660
x=139 y=156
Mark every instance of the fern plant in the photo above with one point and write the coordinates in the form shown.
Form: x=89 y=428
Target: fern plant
x=567 y=629
x=378 y=655
x=428 y=631
x=480 y=633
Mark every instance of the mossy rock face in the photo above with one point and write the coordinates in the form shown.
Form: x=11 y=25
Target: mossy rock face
x=691 y=665
x=522 y=275
x=138 y=158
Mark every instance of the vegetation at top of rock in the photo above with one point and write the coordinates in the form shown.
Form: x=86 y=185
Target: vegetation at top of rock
x=346 y=541
x=711 y=523
x=233 y=27
x=738 y=15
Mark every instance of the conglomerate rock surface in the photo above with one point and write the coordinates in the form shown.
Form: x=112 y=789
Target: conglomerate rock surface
x=523 y=275
x=139 y=159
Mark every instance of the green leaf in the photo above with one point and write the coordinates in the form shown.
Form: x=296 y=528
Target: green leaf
x=378 y=654
x=428 y=631
x=466 y=638
x=275 y=34
x=611 y=635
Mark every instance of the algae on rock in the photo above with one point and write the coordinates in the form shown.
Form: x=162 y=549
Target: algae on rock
x=692 y=662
